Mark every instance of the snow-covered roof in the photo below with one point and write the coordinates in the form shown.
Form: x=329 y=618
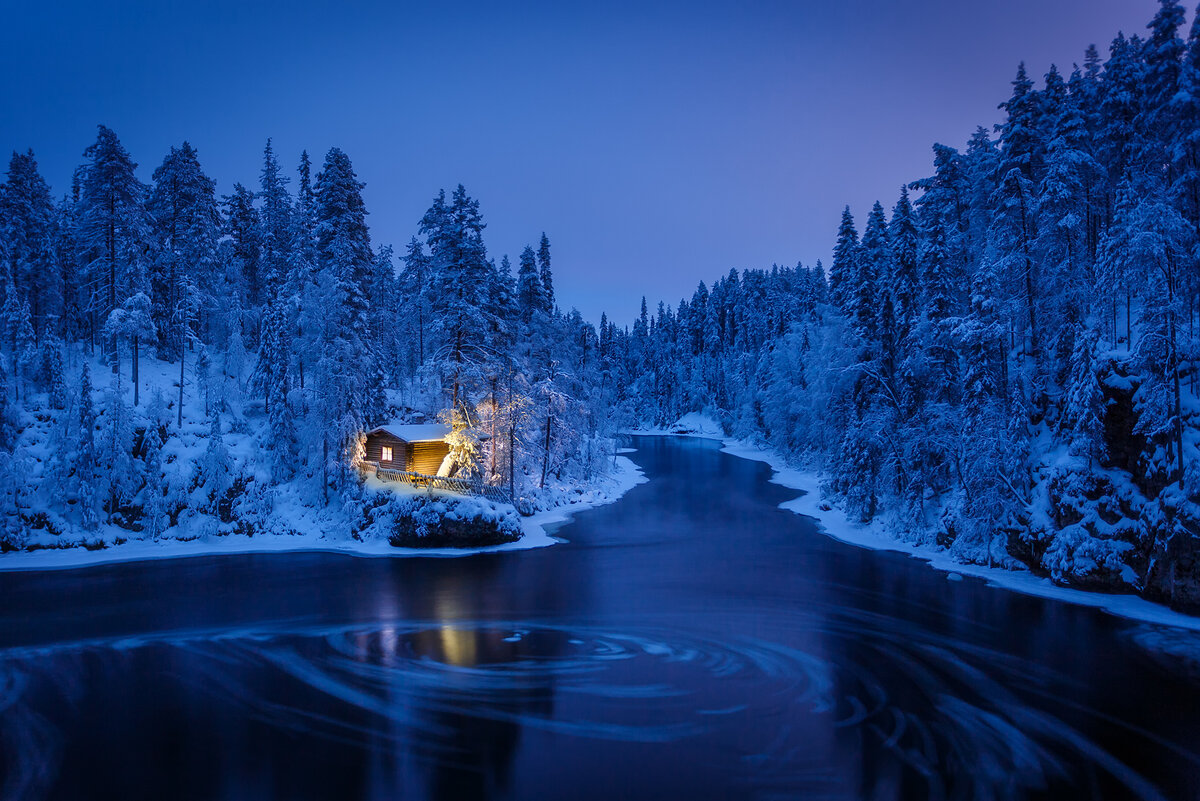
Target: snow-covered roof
x=426 y=432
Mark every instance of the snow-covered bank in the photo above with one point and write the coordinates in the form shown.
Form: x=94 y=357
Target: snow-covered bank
x=624 y=477
x=834 y=523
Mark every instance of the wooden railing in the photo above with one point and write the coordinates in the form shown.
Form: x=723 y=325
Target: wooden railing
x=461 y=486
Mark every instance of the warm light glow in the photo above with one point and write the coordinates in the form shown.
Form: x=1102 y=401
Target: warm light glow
x=386 y=456
x=458 y=645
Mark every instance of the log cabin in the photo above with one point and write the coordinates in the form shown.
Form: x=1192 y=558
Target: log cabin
x=411 y=448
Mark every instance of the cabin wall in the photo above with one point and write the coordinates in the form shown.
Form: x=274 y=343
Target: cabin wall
x=427 y=457
x=400 y=451
x=413 y=457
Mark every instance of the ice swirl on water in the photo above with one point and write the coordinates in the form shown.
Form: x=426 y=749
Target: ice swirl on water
x=942 y=711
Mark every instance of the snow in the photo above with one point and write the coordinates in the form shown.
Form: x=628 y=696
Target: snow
x=625 y=476
x=834 y=523
x=693 y=424
x=414 y=432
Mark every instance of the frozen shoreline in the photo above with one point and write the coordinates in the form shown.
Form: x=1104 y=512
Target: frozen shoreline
x=624 y=478
x=834 y=523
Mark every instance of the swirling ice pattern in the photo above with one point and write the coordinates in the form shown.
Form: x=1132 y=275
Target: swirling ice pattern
x=949 y=715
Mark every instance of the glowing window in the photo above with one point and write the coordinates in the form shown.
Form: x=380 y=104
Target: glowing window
x=387 y=454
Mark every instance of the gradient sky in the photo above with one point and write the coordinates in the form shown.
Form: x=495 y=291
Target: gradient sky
x=656 y=144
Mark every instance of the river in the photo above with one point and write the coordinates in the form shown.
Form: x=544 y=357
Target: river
x=691 y=640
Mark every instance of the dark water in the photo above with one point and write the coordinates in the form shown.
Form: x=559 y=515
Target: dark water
x=690 y=641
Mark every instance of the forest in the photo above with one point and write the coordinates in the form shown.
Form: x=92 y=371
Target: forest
x=1003 y=366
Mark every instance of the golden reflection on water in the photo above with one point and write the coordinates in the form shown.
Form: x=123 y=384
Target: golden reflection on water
x=458 y=646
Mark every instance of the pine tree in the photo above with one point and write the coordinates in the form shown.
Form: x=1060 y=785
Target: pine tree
x=112 y=228
x=301 y=287
x=25 y=352
x=414 y=287
x=118 y=471
x=155 y=518
x=1083 y=413
x=27 y=234
x=530 y=288
x=1019 y=146
x=276 y=220
x=904 y=240
x=213 y=472
x=844 y=269
x=1163 y=53
x=1185 y=152
x=463 y=285
x=130 y=324
x=383 y=291
x=8 y=414
x=86 y=455
x=183 y=208
x=271 y=379
x=244 y=229
x=351 y=385
x=866 y=296
x=52 y=373
x=543 y=259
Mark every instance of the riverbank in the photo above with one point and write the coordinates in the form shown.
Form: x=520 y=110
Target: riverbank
x=876 y=536
x=309 y=535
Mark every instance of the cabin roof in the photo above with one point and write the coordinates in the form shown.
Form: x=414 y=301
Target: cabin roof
x=426 y=432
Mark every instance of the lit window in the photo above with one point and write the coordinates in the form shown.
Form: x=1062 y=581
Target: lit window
x=387 y=454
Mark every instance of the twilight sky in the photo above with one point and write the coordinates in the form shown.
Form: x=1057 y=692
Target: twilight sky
x=656 y=144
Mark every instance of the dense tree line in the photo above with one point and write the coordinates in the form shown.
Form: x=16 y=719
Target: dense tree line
x=1007 y=360
x=283 y=320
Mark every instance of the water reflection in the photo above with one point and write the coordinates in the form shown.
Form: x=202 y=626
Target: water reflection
x=672 y=649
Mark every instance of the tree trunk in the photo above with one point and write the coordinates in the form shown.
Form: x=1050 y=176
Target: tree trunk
x=134 y=371
x=325 y=469
x=182 y=354
x=1174 y=367
x=495 y=409
x=1029 y=292
x=1129 y=320
x=546 y=456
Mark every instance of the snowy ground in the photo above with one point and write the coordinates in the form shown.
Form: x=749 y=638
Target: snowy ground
x=309 y=534
x=875 y=536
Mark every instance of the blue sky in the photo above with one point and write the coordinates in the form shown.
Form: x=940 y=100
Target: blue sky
x=656 y=144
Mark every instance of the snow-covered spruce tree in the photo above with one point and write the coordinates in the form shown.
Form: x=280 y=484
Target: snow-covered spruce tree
x=414 y=289
x=129 y=325
x=51 y=373
x=547 y=278
x=272 y=380
x=462 y=288
x=155 y=514
x=9 y=412
x=25 y=345
x=844 y=269
x=301 y=286
x=530 y=289
x=348 y=381
x=213 y=475
x=28 y=230
x=87 y=477
x=1083 y=412
x=276 y=226
x=384 y=300
x=119 y=473
x=183 y=208
x=112 y=230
